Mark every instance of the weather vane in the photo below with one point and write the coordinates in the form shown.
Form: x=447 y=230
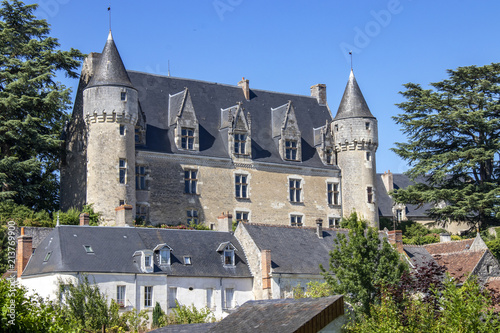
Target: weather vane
x=350 y=53
x=109 y=11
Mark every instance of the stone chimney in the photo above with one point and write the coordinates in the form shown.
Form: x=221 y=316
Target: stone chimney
x=225 y=222
x=388 y=180
x=319 y=91
x=395 y=237
x=24 y=250
x=84 y=219
x=245 y=86
x=266 y=268
x=124 y=216
x=319 y=228
x=444 y=237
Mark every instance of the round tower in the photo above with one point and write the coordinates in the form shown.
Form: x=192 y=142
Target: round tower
x=110 y=109
x=356 y=140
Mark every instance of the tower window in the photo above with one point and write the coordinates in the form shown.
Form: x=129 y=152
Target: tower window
x=140 y=177
x=367 y=125
x=123 y=170
x=122 y=129
x=291 y=150
x=368 y=156
x=123 y=96
x=239 y=144
x=190 y=181
x=187 y=138
x=241 y=186
x=369 y=194
x=295 y=189
x=333 y=193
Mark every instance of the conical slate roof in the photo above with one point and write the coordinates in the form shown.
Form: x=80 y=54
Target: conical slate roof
x=353 y=104
x=110 y=71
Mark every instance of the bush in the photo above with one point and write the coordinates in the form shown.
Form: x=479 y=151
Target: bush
x=183 y=314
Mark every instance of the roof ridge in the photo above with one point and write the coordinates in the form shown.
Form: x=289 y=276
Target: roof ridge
x=458 y=252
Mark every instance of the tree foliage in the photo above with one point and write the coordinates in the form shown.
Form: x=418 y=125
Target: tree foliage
x=32 y=106
x=453 y=141
x=360 y=264
x=183 y=314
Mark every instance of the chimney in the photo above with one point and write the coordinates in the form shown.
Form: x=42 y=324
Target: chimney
x=319 y=228
x=319 y=91
x=84 y=219
x=24 y=250
x=124 y=216
x=266 y=269
x=245 y=86
x=396 y=238
x=225 y=222
x=444 y=237
x=388 y=180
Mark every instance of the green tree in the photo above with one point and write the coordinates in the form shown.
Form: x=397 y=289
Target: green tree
x=183 y=314
x=32 y=106
x=361 y=264
x=158 y=316
x=453 y=134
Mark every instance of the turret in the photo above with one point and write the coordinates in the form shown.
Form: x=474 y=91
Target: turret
x=356 y=140
x=110 y=109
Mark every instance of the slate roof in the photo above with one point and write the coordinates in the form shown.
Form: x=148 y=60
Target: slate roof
x=110 y=70
x=186 y=328
x=418 y=255
x=385 y=202
x=460 y=264
x=449 y=247
x=208 y=99
x=353 y=104
x=114 y=248
x=282 y=315
x=296 y=250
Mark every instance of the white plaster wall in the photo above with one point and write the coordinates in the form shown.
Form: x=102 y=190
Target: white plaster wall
x=46 y=286
x=283 y=284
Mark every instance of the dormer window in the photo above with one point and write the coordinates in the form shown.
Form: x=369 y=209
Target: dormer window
x=145 y=259
x=240 y=141
x=291 y=150
x=227 y=250
x=182 y=116
x=163 y=252
x=187 y=138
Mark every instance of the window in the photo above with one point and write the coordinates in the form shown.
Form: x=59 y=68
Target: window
x=47 y=256
x=123 y=170
x=295 y=190
x=187 y=138
x=88 y=249
x=210 y=298
x=333 y=193
x=334 y=222
x=228 y=256
x=291 y=150
x=165 y=256
x=148 y=263
x=190 y=181
x=172 y=297
x=187 y=260
x=367 y=125
x=329 y=156
x=121 y=202
x=241 y=186
x=141 y=212
x=239 y=143
x=369 y=194
x=140 y=177
x=296 y=220
x=122 y=129
x=192 y=216
x=148 y=296
x=399 y=215
x=241 y=216
x=120 y=295
x=123 y=96
x=137 y=135
x=368 y=156
x=229 y=299
x=336 y=127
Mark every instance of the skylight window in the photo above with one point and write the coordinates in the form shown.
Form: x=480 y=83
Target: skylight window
x=88 y=249
x=47 y=256
x=187 y=260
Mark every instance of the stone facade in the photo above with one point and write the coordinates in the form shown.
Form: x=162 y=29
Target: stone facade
x=181 y=151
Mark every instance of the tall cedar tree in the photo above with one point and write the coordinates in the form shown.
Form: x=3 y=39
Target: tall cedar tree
x=453 y=133
x=361 y=264
x=32 y=106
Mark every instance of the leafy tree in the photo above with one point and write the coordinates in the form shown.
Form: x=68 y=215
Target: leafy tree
x=23 y=216
x=72 y=216
x=183 y=314
x=158 y=315
x=453 y=133
x=32 y=106
x=360 y=264
x=20 y=312
x=315 y=289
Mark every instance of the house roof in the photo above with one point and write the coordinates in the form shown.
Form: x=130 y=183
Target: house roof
x=185 y=328
x=449 y=247
x=385 y=202
x=418 y=255
x=114 y=248
x=208 y=100
x=353 y=104
x=296 y=250
x=110 y=70
x=459 y=264
x=282 y=315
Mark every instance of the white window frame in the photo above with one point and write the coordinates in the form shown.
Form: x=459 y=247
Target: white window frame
x=334 y=218
x=240 y=141
x=172 y=297
x=229 y=253
x=295 y=194
x=229 y=298
x=209 y=298
x=291 y=150
x=190 y=183
x=242 y=213
x=148 y=296
x=187 y=138
x=294 y=217
x=122 y=173
x=166 y=251
x=333 y=193
x=121 y=295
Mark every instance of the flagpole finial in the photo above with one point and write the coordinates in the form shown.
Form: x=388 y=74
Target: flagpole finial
x=350 y=53
x=109 y=12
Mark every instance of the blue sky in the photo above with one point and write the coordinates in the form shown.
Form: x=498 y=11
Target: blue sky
x=287 y=46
